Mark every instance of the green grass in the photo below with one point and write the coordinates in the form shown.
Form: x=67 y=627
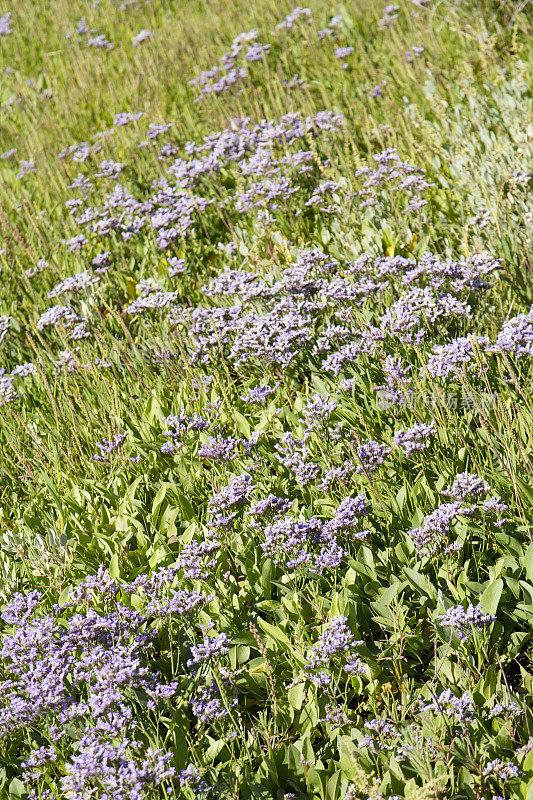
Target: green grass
x=461 y=112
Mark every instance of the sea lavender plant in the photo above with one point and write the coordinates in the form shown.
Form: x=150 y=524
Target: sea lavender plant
x=465 y=622
x=431 y=535
x=467 y=486
x=413 y=440
x=371 y=455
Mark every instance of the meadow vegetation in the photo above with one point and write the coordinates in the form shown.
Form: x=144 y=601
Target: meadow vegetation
x=266 y=407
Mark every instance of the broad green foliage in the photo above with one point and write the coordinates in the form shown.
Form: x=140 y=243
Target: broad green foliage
x=266 y=416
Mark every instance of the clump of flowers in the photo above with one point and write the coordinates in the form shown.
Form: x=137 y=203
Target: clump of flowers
x=108 y=446
x=371 y=454
x=467 y=486
x=70 y=674
x=465 y=622
x=415 y=439
x=336 y=644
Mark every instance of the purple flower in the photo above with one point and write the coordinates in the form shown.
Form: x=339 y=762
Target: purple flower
x=337 y=639
x=317 y=411
x=108 y=446
x=235 y=494
x=429 y=537
x=449 y=359
x=210 y=648
x=55 y=315
x=343 y=52
x=340 y=474
x=74 y=284
x=447 y=704
x=463 y=623
x=372 y=455
x=5 y=24
x=413 y=440
x=270 y=506
x=208 y=706
x=296 y=15
x=348 y=515
x=142 y=36
x=78 y=667
x=218 y=449
x=259 y=393
x=467 y=485
x=516 y=336
x=501 y=770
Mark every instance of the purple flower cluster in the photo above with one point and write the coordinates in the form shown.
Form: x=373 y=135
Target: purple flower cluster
x=348 y=515
x=371 y=454
x=209 y=706
x=5 y=24
x=219 y=449
x=449 y=359
x=179 y=428
x=297 y=14
x=413 y=440
x=396 y=389
x=448 y=705
x=74 y=284
x=108 y=446
x=467 y=486
x=271 y=506
x=516 y=336
x=463 y=623
x=293 y=454
x=229 y=72
x=338 y=643
x=317 y=411
x=305 y=543
x=431 y=535
x=212 y=647
x=233 y=496
x=259 y=393
x=70 y=674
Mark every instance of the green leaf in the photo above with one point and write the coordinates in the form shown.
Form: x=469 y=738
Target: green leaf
x=420 y=583
x=348 y=758
x=266 y=578
x=158 y=499
x=114 y=570
x=242 y=423
x=296 y=695
x=16 y=788
x=333 y=786
x=490 y=598
x=527 y=562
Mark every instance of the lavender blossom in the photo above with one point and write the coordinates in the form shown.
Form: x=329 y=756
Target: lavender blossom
x=5 y=24
x=463 y=623
x=449 y=359
x=212 y=647
x=270 y=506
x=259 y=393
x=371 y=455
x=348 y=515
x=516 y=336
x=429 y=537
x=5 y=325
x=466 y=486
x=447 y=704
x=142 y=36
x=413 y=440
x=218 y=449
x=108 y=446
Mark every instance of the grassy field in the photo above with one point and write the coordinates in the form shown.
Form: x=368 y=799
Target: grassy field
x=266 y=407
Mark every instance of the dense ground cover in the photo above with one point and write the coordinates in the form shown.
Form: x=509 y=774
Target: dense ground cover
x=266 y=414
